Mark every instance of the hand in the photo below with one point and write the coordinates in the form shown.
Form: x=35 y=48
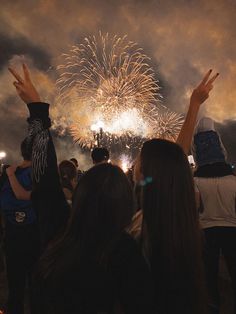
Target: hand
x=24 y=86
x=11 y=170
x=201 y=92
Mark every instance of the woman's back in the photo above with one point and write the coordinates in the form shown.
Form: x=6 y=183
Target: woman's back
x=95 y=265
x=122 y=281
x=171 y=236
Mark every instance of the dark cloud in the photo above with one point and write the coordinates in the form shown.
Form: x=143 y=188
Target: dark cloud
x=11 y=46
x=184 y=39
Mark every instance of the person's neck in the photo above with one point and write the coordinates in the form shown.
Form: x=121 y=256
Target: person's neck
x=25 y=164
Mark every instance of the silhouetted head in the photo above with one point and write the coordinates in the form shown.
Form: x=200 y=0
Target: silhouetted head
x=100 y=155
x=26 y=149
x=103 y=204
x=167 y=182
x=102 y=209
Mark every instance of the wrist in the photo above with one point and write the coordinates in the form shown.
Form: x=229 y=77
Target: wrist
x=11 y=175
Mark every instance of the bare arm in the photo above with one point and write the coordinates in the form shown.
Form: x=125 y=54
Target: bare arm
x=19 y=191
x=199 y=95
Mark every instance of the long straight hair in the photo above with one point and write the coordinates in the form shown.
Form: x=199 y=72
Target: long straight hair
x=102 y=209
x=171 y=235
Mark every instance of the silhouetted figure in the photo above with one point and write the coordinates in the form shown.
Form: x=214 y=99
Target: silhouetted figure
x=69 y=178
x=96 y=267
x=100 y=155
x=22 y=244
x=217 y=187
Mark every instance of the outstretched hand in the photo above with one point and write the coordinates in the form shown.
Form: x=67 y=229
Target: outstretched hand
x=201 y=92
x=24 y=86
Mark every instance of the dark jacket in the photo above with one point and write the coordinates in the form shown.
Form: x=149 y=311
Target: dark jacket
x=47 y=196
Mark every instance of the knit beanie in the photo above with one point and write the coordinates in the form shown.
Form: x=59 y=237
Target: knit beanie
x=207 y=146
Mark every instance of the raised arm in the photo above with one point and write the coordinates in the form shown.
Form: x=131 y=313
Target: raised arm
x=18 y=189
x=47 y=195
x=199 y=95
x=44 y=162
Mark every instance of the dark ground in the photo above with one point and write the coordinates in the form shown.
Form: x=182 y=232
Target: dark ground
x=224 y=283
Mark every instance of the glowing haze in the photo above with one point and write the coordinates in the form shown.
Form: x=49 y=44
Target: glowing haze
x=183 y=38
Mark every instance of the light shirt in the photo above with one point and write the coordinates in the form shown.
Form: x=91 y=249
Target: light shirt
x=218 y=200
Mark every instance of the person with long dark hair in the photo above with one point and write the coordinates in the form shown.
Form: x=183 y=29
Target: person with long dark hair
x=170 y=234
x=96 y=266
x=170 y=237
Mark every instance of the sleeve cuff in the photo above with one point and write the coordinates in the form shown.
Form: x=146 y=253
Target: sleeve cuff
x=38 y=110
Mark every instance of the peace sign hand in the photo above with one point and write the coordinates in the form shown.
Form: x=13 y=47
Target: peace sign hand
x=24 y=86
x=201 y=92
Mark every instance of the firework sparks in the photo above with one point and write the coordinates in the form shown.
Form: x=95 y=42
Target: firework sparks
x=109 y=79
x=169 y=125
x=125 y=163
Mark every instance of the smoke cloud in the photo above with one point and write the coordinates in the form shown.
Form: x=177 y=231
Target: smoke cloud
x=183 y=38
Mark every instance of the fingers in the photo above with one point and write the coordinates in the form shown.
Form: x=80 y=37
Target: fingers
x=16 y=75
x=209 y=88
x=17 y=85
x=206 y=77
x=26 y=72
x=213 y=79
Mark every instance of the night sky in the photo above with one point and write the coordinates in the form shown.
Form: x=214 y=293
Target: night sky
x=183 y=39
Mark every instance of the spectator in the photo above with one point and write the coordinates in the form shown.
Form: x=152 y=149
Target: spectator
x=217 y=187
x=79 y=172
x=96 y=260
x=68 y=175
x=21 y=229
x=100 y=155
x=170 y=234
x=47 y=196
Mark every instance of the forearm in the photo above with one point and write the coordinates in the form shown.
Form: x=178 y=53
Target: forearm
x=19 y=191
x=44 y=162
x=186 y=133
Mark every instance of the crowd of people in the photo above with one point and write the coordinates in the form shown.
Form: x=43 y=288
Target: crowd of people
x=99 y=242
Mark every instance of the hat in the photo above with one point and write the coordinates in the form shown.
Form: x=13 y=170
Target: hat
x=207 y=145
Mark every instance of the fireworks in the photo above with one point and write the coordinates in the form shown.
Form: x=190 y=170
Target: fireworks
x=125 y=163
x=169 y=125
x=108 y=79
